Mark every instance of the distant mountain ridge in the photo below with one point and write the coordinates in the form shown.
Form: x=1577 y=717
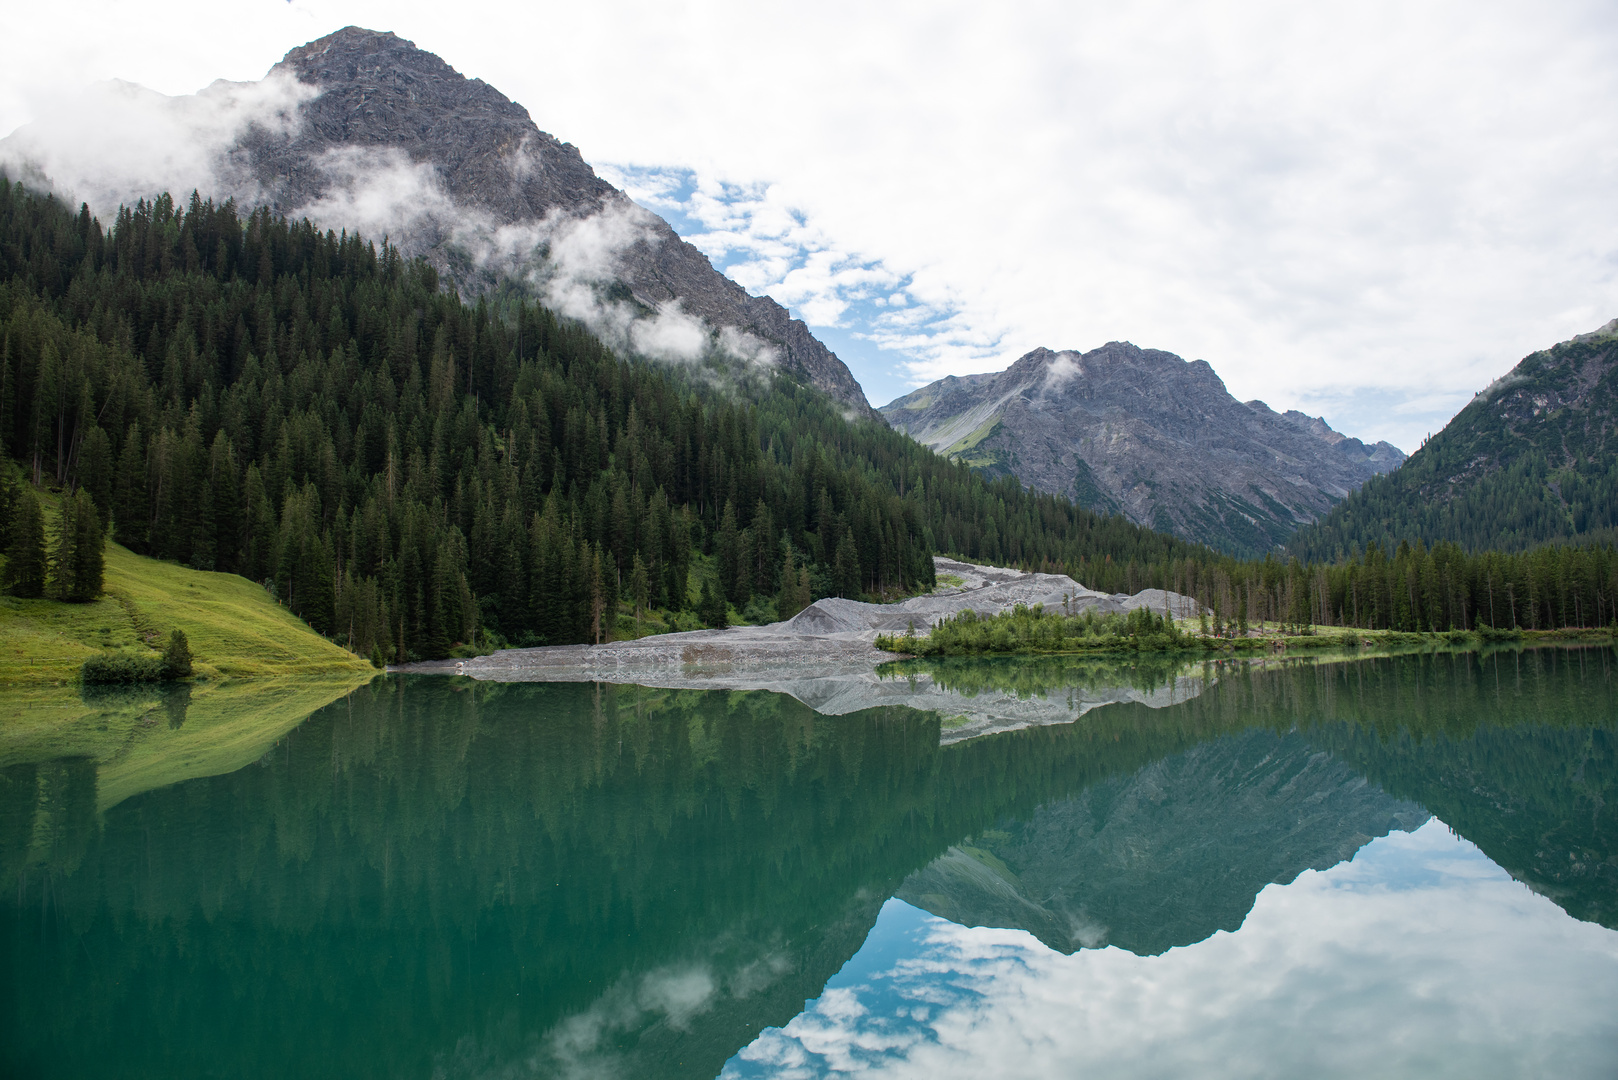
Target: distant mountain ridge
x=1532 y=458
x=1148 y=434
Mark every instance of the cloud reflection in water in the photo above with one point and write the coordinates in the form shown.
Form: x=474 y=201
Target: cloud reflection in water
x=1419 y=958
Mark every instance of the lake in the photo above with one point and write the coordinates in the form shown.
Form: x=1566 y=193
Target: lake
x=1404 y=866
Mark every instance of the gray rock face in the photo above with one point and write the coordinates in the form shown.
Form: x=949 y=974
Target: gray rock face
x=1150 y=435
x=1166 y=857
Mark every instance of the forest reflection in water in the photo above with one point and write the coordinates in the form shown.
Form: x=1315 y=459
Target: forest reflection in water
x=437 y=877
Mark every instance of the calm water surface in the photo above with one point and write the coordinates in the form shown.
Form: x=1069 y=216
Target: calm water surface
x=1395 y=867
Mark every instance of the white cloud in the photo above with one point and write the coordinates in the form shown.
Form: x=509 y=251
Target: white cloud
x=114 y=142
x=1327 y=203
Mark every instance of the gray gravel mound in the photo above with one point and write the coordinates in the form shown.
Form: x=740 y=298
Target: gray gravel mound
x=825 y=656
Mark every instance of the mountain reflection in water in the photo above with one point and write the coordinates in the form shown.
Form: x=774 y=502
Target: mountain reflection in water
x=437 y=878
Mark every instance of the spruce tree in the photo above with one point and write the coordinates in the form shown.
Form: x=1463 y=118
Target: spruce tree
x=76 y=557
x=130 y=509
x=711 y=607
x=96 y=470
x=789 y=601
x=10 y=497
x=846 y=567
x=729 y=551
x=25 y=555
x=640 y=588
x=177 y=656
x=89 y=549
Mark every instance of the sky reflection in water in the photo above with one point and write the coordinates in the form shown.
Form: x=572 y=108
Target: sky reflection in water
x=1420 y=957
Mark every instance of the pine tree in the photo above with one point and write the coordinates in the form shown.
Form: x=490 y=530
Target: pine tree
x=25 y=556
x=131 y=512
x=177 y=656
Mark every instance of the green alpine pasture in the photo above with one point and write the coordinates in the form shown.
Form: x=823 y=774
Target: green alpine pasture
x=234 y=628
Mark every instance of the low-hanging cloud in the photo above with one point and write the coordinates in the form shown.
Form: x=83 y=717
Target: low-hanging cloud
x=118 y=142
x=115 y=142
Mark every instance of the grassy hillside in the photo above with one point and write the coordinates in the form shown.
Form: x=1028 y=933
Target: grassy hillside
x=261 y=669
x=235 y=629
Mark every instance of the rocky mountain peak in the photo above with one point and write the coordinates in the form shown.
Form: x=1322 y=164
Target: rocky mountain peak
x=1149 y=434
x=361 y=130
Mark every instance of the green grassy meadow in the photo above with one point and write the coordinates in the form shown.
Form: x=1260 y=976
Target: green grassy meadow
x=234 y=628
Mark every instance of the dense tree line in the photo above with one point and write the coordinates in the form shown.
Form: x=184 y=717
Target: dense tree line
x=1416 y=588
x=401 y=467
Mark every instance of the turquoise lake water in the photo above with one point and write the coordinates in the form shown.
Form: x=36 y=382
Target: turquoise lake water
x=1394 y=867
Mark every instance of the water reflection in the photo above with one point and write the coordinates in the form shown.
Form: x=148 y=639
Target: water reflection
x=437 y=878
x=1165 y=856
x=1420 y=958
x=986 y=695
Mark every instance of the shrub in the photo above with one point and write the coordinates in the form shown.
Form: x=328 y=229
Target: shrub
x=124 y=666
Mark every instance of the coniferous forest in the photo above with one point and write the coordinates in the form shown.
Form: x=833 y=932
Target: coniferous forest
x=1533 y=459
x=407 y=471
x=403 y=469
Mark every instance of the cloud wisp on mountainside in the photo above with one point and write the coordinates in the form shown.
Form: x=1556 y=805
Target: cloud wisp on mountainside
x=118 y=143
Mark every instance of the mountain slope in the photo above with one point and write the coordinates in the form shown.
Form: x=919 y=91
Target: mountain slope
x=1146 y=433
x=363 y=130
x=1532 y=458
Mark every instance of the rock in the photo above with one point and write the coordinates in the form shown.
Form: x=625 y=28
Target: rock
x=1147 y=434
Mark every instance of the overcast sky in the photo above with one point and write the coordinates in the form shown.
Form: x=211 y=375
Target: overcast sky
x=1364 y=210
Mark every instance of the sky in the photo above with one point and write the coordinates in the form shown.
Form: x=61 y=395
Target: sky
x=1364 y=211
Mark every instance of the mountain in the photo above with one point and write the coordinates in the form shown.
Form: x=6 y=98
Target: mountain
x=1532 y=458
x=1168 y=856
x=364 y=130
x=1146 y=433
